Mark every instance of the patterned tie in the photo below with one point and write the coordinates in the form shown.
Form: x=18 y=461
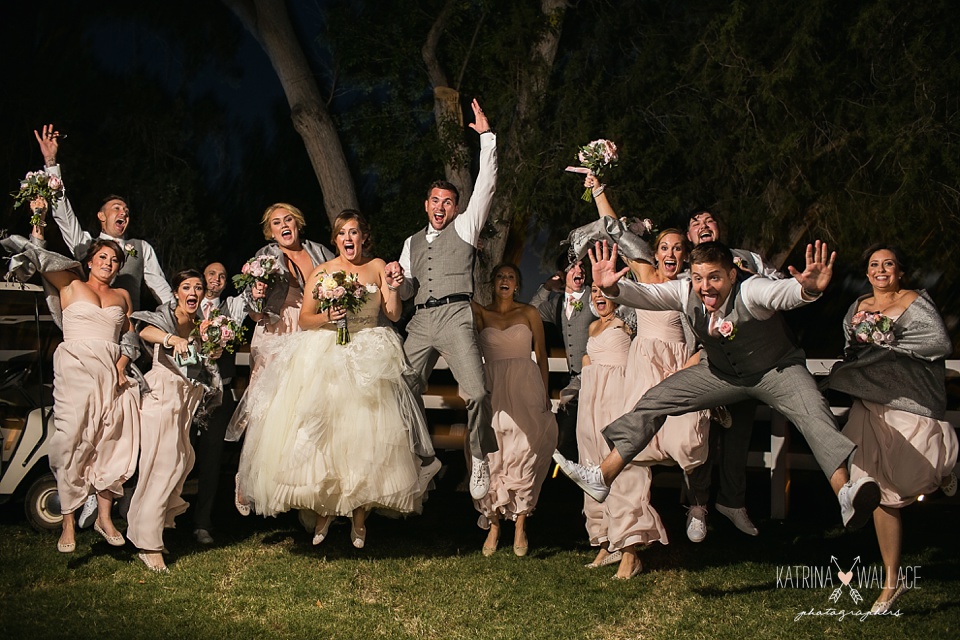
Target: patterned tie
x=571 y=305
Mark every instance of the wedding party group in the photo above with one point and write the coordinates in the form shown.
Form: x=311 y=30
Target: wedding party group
x=669 y=335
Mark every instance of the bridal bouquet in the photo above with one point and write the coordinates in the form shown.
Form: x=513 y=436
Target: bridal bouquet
x=38 y=184
x=345 y=290
x=219 y=333
x=264 y=269
x=872 y=327
x=595 y=157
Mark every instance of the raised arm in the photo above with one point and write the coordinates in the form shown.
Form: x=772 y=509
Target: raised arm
x=153 y=275
x=470 y=222
x=644 y=271
x=817 y=272
x=667 y=296
x=73 y=234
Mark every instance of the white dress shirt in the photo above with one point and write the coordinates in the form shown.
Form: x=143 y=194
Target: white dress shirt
x=470 y=222
x=75 y=236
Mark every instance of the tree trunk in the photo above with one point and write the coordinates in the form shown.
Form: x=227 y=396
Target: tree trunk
x=269 y=23
x=530 y=93
x=448 y=113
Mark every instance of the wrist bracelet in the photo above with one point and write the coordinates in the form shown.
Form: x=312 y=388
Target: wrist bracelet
x=598 y=190
x=810 y=294
x=392 y=288
x=166 y=340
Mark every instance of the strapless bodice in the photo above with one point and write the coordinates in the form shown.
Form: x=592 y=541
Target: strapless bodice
x=610 y=347
x=505 y=344
x=660 y=325
x=86 y=321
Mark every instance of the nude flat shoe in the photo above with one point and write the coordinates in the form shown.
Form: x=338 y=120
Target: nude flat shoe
x=114 y=541
x=612 y=558
x=318 y=536
x=66 y=547
x=357 y=537
x=637 y=569
x=155 y=568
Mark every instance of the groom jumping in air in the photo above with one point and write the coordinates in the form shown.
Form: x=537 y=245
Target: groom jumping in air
x=438 y=265
x=749 y=355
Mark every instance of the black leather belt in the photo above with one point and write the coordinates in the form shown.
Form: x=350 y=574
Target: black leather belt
x=439 y=302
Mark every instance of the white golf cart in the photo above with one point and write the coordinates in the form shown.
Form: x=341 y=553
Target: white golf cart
x=27 y=341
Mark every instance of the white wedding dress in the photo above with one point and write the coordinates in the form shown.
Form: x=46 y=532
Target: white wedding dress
x=332 y=427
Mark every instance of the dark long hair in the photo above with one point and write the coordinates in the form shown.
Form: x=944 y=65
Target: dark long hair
x=98 y=244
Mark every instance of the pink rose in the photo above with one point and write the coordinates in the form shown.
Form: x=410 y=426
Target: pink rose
x=726 y=328
x=339 y=292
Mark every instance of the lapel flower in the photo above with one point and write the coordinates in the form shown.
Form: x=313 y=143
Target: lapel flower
x=130 y=250
x=577 y=305
x=727 y=329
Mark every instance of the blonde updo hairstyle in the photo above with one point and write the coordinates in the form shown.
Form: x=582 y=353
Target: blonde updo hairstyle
x=296 y=213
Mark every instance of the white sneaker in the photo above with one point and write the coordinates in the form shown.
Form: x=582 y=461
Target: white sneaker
x=426 y=474
x=949 y=485
x=88 y=515
x=479 y=479
x=858 y=500
x=739 y=518
x=696 y=523
x=587 y=478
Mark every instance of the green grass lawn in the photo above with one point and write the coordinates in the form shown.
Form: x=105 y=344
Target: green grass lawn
x=425 y=577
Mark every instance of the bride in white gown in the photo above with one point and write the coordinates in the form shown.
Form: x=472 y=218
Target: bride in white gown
x=335 y=429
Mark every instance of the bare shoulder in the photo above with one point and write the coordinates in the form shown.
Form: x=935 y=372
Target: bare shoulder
x=595 y=328
x=125 y=296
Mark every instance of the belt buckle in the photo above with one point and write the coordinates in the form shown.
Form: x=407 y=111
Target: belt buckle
x=431 y=303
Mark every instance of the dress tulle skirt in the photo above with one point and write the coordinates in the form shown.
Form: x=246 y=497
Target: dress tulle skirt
x=332 y=427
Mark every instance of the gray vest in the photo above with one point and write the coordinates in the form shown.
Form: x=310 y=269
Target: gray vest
x=130 y=277
x=757 y=347
x=576 y=331
x=443 y=267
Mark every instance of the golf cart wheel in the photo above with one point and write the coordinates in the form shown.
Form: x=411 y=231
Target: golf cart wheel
x=42 y=504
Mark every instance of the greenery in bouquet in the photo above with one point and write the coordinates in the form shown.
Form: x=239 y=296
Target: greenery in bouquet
x=38 y=184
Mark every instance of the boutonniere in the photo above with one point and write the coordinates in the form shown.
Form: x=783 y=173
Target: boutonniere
x=130 y=250
x=727 y=329
x=578 y=306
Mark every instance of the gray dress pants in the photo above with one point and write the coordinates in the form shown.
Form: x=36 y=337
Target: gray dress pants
x=449 y=331
x=789 y=389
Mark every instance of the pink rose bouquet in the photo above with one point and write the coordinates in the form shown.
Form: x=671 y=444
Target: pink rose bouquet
x=219 y=333
x=345 y=290
x=872 y=328
x=38 y=184
x=262 y=268
x=595 y=157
